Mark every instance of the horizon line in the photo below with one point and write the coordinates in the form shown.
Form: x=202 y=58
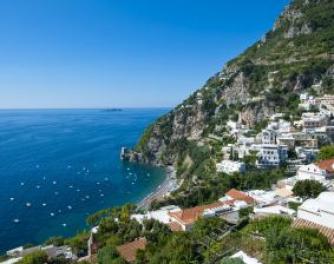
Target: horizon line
x=83 y=108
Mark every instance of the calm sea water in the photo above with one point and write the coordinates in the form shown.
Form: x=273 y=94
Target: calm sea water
x=58 y=166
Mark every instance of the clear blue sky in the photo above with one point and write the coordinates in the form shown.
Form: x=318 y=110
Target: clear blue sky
x=120 y=53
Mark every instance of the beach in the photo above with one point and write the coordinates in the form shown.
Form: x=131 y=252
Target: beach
x=169 y=185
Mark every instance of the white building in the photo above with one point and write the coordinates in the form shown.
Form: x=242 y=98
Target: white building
x=162 y=215
x=313 y=121
x=273 y=210
x=308 y=154
x=234 y=127
x=286 y=139
x=264 y=198
x=230 y=166
x=268 y=136
x=272 y=155
x=319 y=211
x=307 y=101
x=311 y=172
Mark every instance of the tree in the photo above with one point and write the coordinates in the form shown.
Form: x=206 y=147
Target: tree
x=244 y=212
x=293 y=245
x=38 y=257
x=108 y=255
x=308 y=189
x=326 y=152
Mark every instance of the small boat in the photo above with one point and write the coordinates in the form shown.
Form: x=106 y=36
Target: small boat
x=12 y=198
x=28 y=204
x=52 y=214
x=16 y=220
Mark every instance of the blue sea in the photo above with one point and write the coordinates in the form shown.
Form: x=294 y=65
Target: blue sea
x=59 y=166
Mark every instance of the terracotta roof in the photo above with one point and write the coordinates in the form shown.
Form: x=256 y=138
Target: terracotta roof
x=128 y=251
x=326 y=231
x=241 y=196
x=190 y=215
x=326 y=165
x=175 y=227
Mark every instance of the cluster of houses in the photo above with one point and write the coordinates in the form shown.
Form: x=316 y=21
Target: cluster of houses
x=294 y=143
x=313 y=213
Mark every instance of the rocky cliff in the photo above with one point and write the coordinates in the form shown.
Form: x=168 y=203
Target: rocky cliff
x=297 y=55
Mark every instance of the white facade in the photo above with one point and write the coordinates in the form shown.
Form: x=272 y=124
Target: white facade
x=161 y=215
x=313 y=121
x=268 y=136
x=272 y=155
x=274 y=210
x=230 y=166
x=311 y=172
x=286 y=139
x=263 y=198
x=319 y=211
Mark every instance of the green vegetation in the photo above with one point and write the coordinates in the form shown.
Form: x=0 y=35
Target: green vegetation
x=294 y=205
x=38 y=257
x=272 y=240
x=308 y=189
x=109 y=255
x=326 y=152
x=189 y=247
x=232 y=261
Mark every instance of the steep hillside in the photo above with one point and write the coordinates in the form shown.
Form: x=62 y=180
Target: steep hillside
x=297 y=55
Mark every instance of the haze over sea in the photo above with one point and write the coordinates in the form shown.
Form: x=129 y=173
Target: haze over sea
x=58 y=166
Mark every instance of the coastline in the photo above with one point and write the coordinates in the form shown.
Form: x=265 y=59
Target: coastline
x=167 y=186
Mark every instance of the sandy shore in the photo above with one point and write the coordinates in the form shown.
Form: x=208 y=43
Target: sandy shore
x=167 y=186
